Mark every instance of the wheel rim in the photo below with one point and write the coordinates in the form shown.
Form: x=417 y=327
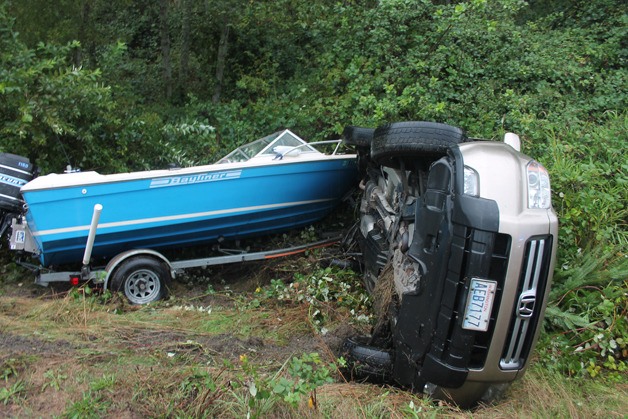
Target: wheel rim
x=142 y=286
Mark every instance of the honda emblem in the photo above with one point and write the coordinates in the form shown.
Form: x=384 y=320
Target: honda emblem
x=525 y=307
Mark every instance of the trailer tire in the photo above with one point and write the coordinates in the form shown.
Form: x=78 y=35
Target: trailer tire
x=358 y=136
x=410 y=141
x=141 y=279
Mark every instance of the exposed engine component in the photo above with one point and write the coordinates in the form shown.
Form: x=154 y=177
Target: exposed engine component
x=15 y=172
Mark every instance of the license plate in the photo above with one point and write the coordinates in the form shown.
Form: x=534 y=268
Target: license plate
x=477 y=313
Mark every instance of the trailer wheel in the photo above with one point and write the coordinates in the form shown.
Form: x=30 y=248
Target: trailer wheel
x=409 y=141
x=142 y=280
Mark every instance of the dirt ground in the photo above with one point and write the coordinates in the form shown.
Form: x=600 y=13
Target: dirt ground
x=28 y=355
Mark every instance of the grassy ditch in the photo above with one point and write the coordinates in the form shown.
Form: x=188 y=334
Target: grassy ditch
x=261 y=341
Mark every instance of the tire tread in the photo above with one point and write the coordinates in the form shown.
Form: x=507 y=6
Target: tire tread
x=407 y=141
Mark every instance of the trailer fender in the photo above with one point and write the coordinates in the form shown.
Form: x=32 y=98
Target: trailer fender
x=121 y=257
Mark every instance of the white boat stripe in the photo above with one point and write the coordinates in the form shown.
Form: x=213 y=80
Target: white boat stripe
x=15 y=169
x=9 y=197
x=174 y=217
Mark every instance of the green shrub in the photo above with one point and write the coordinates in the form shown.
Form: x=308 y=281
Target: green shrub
x=323 y=289
x=588 y=319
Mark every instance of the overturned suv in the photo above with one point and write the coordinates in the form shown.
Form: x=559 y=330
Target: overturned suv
x=458 y=243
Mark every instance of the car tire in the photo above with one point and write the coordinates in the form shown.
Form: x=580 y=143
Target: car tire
x=406 y=142
x=471 y=394
x=365 y=361
x=141 y=279
x=358 y=136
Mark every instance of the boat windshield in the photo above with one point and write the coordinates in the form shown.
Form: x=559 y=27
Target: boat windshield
x=266 y=146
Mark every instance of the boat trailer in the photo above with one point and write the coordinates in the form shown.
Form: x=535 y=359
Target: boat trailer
x=142 y=274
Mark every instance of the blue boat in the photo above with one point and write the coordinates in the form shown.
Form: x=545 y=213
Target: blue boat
x=276 y=183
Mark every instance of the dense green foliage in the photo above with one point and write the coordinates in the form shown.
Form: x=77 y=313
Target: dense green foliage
x=121 y=84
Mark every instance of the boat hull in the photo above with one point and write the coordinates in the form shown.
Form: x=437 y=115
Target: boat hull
x=174 y=209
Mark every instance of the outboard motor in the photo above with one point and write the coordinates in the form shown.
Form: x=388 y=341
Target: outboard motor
x=15 y=172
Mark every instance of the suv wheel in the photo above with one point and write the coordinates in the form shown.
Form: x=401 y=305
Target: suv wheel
x=470 y=394
x=358 y=136
x=404 y=142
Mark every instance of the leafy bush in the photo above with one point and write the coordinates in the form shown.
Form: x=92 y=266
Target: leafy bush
x=320 y=289
x=51 y=110
x=302 y=376
x=589 y=180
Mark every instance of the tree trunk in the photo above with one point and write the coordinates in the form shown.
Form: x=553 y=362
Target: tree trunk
x=220 y=62
x=185 y=48
x=165 y=49
x=82 y=31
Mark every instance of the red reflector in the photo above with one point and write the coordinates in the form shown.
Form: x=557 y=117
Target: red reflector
x=74 y=280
